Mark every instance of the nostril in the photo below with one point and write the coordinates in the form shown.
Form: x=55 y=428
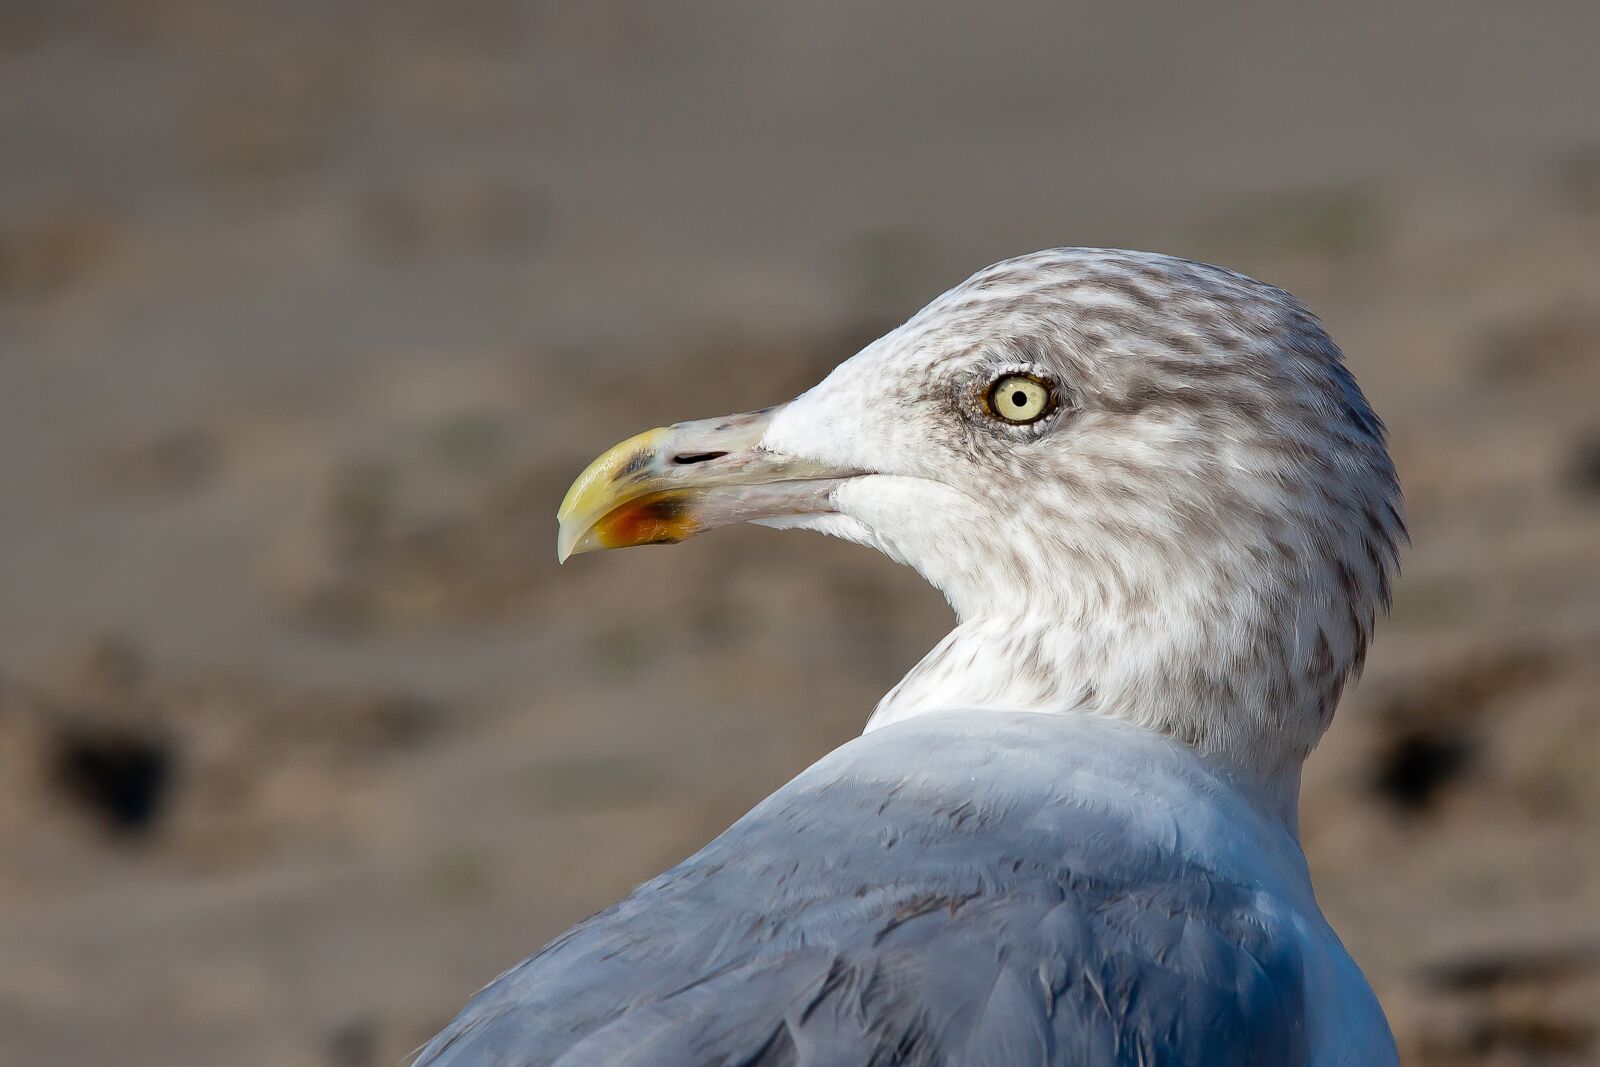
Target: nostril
x=685 y=458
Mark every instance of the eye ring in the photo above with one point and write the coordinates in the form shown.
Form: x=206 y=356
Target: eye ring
x=1019 y=399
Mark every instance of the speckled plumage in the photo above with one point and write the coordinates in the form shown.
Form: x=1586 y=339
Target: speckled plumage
x=1068 y=835
x=1197 y=541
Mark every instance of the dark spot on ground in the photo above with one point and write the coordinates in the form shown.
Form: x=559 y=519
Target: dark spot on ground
x=1429 y=739
x=120 y=777
x=1478 y=970
x=1553 y=345
x=1583 y=467
x=1417 y=765
x=353 y=1044
x=1512 y=1008
x=161 y=468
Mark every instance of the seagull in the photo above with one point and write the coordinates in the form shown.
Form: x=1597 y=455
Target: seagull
x=1165 y=518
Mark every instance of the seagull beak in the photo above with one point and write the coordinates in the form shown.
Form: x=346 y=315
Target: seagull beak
x=666 y=485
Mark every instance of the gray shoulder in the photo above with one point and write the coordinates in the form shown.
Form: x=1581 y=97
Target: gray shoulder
x=852 y=921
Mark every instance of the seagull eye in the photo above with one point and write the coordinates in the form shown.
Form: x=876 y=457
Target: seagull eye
x=1019 y=399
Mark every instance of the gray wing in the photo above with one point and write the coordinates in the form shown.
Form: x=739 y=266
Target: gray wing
x=850 y=923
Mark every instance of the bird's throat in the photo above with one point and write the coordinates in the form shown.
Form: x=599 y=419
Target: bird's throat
x=1027 y=665
x=1012 y=666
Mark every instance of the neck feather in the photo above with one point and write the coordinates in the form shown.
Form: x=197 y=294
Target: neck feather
x=1032 y=665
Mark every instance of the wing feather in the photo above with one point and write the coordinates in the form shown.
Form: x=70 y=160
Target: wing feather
x=850 y=923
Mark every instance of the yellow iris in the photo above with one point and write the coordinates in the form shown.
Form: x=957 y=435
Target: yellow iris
x=1019 y=398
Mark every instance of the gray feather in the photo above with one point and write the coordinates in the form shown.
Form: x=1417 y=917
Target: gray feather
x=907 y=902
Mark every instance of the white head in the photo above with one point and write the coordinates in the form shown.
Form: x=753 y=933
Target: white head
x=1148 y=487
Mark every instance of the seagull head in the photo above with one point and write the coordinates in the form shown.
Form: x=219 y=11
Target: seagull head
x=1148 y=487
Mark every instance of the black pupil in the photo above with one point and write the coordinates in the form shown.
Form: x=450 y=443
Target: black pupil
x=1019 y=398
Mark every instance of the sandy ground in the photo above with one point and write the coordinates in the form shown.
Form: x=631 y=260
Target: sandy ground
x=308 y=312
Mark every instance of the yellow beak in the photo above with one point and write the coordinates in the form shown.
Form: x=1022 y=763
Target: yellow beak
x=666 y=485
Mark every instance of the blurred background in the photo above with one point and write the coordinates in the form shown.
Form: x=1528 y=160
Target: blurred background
x=310 y=311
